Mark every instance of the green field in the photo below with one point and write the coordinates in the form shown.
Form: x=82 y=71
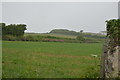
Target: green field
x=50 y=59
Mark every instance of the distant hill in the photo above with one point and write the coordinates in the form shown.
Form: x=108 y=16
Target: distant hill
x=64 y=32
x=74 y=33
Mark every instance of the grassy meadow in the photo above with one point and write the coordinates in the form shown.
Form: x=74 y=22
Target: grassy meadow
x=50 y=59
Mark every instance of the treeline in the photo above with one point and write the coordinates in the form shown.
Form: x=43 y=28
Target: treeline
x=12 y=30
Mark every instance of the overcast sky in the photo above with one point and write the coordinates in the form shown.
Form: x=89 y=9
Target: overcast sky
x=44 y=16
x=119 y=9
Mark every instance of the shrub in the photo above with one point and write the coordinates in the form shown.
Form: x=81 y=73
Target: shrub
x=9 y=38
x=80 y=38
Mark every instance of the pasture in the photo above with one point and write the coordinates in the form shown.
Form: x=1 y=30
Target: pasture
x=50 y=59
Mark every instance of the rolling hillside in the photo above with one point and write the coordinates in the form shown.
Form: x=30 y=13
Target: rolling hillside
x=66 y=35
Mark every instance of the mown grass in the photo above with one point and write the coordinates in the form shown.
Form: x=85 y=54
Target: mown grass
x=50 y=60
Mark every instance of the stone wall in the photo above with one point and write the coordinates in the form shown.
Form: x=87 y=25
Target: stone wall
x=110 y=60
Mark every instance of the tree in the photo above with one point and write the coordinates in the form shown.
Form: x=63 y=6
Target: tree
x=13 y=29
x=80 y=38
x=81 y=31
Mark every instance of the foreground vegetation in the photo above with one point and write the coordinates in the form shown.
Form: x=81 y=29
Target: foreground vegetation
x=50 y=60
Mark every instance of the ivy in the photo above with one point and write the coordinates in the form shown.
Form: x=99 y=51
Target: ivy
x=113 y=30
